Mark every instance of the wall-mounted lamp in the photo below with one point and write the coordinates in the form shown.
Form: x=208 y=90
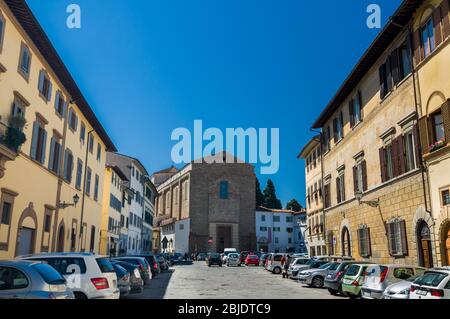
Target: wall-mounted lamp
x=64 y=205
x=371 y=203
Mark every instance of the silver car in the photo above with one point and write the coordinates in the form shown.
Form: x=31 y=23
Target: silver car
x=233 y=259
x=31 y=280
x=316 y=277
x=399 y=290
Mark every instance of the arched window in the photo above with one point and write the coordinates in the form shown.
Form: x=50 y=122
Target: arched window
x=345 y=241
x=223 y=190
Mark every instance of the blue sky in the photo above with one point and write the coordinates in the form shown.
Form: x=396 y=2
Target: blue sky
x=147 y=67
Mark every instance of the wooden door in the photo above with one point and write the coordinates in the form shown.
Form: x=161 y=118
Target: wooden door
x=223 y=238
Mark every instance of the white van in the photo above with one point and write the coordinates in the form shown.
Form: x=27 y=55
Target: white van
x=226 y=252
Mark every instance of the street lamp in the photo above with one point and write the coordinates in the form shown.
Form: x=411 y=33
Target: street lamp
x=64 y=205
x=371 y=203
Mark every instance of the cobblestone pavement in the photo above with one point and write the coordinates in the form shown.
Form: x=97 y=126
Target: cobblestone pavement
x=198 y=281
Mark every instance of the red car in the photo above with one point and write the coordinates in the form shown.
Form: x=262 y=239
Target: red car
x=252 y=260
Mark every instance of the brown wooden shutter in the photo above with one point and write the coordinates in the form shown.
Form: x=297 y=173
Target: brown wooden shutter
x=342 y=123
x=360 y=242
x=338 y=191
x=445 y=6
x=394 y=66
x=445 y=109
x=389 y=231
x=417 y=151
x=424 y=135
x=352 y=114
x=417 y=47
x=355 y=178
x=368 y=243
x=382 y=165
x=437 y=26
x=404 y=238
x=395 y=155
x=401 y=156
x=361 y=106
x=364 y=175
x=382 y=75
x=335 y=130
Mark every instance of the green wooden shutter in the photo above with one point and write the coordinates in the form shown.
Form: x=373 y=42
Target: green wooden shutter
x=52 y=154
x=41 y=81
x=44 y=146
x=34 y=140
x=58 y=94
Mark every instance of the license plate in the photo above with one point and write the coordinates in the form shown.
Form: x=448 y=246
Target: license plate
x=421 y=292
x=347 y=281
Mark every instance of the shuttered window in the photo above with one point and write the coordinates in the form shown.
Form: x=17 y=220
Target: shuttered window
x=2 y=30
x=327 y=197
x=60 y=104
x=38 y=142
x=68 y=165
x=45 y=86
x=25 y=61
x=82 y=133
x=360 y=177
x=79 y=174
x=364 y=242
x=73 y=120
x=96 y=182
x=427 y=38
x=396 y=231
x=55 y=155
x=340 y=188
x=88 y=181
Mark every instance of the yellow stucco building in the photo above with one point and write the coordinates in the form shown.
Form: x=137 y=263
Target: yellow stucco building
x=61 y=161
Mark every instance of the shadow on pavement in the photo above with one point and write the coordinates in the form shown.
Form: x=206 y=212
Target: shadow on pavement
x=157 y=287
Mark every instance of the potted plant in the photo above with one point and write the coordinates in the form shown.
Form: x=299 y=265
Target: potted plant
x=14 y=136
x=437 y=145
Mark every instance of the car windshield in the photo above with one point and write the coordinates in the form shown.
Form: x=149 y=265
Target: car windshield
x=233 y=256
x=105 y=265
x=325 y=266
x=353 y=270
x=49 y=274
x=311 y=262
x=430 y=278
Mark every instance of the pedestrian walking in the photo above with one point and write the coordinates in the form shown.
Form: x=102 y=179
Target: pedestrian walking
x=285 y=266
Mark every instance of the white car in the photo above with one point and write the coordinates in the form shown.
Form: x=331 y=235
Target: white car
x=434 y=284
x=88 y=276
x=233 y=259
x=226 y=252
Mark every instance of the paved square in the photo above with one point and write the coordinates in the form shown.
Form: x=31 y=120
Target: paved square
x=198 y=281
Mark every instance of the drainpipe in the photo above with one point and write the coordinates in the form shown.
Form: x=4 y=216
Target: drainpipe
x=83 y=196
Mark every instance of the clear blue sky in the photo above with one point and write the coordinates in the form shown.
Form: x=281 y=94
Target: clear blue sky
x=150 y=66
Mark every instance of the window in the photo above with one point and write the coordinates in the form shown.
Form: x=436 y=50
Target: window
x=181 y=227
x=38 y=142
x=410 y=151
x=263 y=228
x=289 y=230
x=289 y=219
x=386 y=158
x=25 y=61
x=6 y=213
x=397 y=238
x=276 y=229
x=354 y=107
x=60 y=104
x=224 y=190
x=92 y=238
x=384 y=80
x=340 y=188
x=15 y=279
x=82 y=133
x=360 y=176
x=289 y=240
x=276 y=240
x=79 y=173
x=68 y=165
x=97 y=179
x=437 y=123
x=427 y=40
x=364 y=242
x=73 y=120
x=91 y=143
x=45 y=86
x=99 y=152
x=404 y=61
x=55 y=155
x=19 y=106
x=2 y=31
x=327 y=196
x=263 y=218
x=47 y=221
x=338 y=124
x=276 y=219
x=446 y=197
x=88 y=181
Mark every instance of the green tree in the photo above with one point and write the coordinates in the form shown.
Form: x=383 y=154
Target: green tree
x=270 y=196
x=259 y=194
x=294 y=205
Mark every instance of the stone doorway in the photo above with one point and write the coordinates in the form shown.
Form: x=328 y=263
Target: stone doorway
x=223 y=238
x=424 y=242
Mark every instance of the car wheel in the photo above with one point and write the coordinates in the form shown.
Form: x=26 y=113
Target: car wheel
x=277 y=270
x=80 y=295
x=332 y=291
x=317 y=282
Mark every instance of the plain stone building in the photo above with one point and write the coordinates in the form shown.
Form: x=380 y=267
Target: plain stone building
x=206 y=207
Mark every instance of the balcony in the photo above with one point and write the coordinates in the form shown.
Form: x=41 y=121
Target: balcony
x=9 y=145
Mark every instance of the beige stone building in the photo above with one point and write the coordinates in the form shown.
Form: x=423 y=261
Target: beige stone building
x=206 y=207
x=62 y=159
x=375 y=186
x=312 y=156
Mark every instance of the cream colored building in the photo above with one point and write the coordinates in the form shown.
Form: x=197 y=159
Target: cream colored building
x=433 y=91
x=375 y=186
x=312 y=156
x=64 y=140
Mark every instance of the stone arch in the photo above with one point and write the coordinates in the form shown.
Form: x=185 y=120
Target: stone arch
x=444 y=230
x=28 y=220
x=435 y=101
x=426 y=13
x=345 y=235
x=61 y=237
x=422 y=216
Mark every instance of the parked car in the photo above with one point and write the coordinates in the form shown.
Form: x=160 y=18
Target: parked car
x=399 y=290
x=214 y=259
x=123 y=280
x=297 y=263
x=244 y=255
x=354 y=279
x=333 y=279
x=433 y=284
x=310 y=264
x=22 y=279
x=274 y=263
x=88 y=276
x=176 y=258
x=201 y=257
x=233 y=259
x=136 y=281
x=163 y=264
x=252 y=260
x=316 y=277
x=142 y=264
x=152 y=262
x=378 y=277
